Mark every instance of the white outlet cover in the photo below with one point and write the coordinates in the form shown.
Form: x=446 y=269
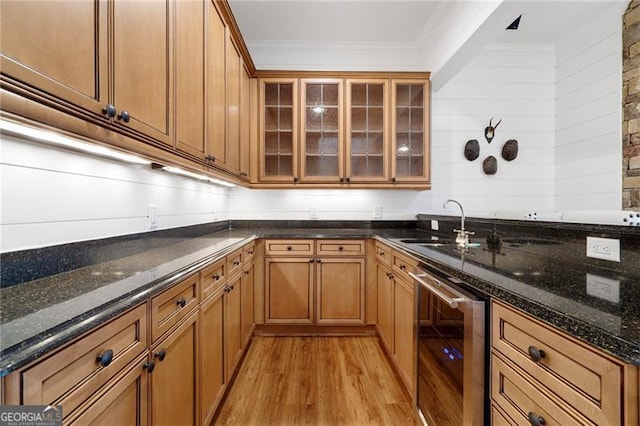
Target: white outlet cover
x=313 y=212
x=152 y=213
x=434 y=225
x=603 y=248
x=603 y=288
x=377 y=212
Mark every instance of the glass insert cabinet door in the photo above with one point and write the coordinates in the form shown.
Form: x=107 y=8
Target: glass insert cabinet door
x=367 y=127
x=278 y=121
x=410 y=123
x=322 y=130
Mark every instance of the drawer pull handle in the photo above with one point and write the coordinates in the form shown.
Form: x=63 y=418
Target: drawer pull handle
x=236 y=263
x=340 y=248
x=246 y=272
x=231 y=287
x=216 y=277
x=182 y=302
x=289 y=248
x=381 y=254
x=535 y=419
x=149 y=366
x=536 y=354
x=105 y=358
x=226 y=289
x=403 y=267
x=160 y=354
x=251 y=252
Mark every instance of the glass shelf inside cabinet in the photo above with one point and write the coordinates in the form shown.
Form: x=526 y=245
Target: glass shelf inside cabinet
x=409 y=130
x=278 y=129
x=322 y=129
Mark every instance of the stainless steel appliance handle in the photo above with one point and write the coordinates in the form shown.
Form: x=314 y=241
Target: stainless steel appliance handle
x=451 y=301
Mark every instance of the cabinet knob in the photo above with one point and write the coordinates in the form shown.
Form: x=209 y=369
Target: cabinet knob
x=340 y=248
x=231 y=287
x=341 y=180
x=105 y=358
x=318 y=260
x=149 y=366
x=160 y=354
x=403 y=267
x=251 y=252
x=109 y=110
x=124 y=116
x=535 y=419
x=181 y=302
x=236 y=263
x=212 y=158
x=348 y=179
x=246 y=272
x=381 y=254
x=393 y=179
x=310 y=260
x=536 y=354
x=295 y=179
x=216 y=277
x=389 y=275
x=226 y=289
x=289 y=248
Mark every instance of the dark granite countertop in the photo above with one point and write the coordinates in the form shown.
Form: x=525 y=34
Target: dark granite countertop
x=41 y=314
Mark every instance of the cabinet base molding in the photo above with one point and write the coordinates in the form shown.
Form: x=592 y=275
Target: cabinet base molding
x=313 y=330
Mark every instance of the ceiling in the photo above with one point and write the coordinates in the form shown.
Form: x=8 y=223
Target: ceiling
x=397 y=35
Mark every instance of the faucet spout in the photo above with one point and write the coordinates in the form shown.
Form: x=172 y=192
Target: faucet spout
x=463 y=236
x=444 y=206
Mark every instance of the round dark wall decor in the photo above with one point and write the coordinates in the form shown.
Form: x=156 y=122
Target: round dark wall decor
x=490 y=165
x=510 y=150
x=472 y=149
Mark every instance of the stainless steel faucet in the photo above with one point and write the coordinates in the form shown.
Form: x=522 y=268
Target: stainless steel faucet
x=462 y=239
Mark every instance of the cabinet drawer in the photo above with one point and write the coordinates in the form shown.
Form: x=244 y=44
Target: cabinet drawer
x=403 y=264
x=383 y=253
x=76 y=372
x=520 y=398
x=340 y=248
x=234 y=262
x=169 y=307
x=289 y=247
x=249 y=250
x=213 y=276
x=580 y=375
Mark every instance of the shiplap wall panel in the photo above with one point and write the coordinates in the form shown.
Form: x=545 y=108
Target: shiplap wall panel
x=588 y=154
x=52 y=196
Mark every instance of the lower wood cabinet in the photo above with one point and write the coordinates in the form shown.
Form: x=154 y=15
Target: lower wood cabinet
x=385 y=306
x=247 y=301
x=404 y=340
x=233 y=343
x=306 y=288
x=123 y=403
x=175 y=376
x=212 y=372
x=541 y=372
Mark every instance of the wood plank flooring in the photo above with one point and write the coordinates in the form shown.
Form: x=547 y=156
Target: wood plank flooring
x=316 y=381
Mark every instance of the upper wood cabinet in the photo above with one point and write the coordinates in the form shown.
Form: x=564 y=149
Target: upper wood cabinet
x=353 y=132
x=107 y=61
x=367 y=128
x=322 y=130
x=410 y=130
x=278 y=130
x=190 y=78
x=234 y=71
x=216 y=90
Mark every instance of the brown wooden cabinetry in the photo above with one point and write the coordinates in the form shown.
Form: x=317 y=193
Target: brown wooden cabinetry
x=233 y=343
x=345 y=131
x=247 y=300
x=537 y=371
x=174 y=380
x=87 y=60
x=278 y=99
x=190 y=77
x=385 y=306
x=212 y=372
x=403 y=319
x=319 y=282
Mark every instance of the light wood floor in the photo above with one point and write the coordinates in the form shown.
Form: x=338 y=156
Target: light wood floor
x=316 y=381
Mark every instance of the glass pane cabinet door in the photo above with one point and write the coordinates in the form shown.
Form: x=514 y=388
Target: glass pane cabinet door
x=367 y=131
x=278 y=124
x=321 y=130
x=410 y=132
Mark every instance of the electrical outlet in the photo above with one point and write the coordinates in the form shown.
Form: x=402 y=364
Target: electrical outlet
x=377 y=212
x=313 y=212
x=603 y=248
x=604 y=288
x=434 y=225
x=152 y=214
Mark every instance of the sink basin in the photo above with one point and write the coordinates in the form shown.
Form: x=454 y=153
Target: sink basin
x=426 y=241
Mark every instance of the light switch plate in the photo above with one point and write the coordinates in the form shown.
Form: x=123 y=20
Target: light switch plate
x=604 y=288
x=603 y=248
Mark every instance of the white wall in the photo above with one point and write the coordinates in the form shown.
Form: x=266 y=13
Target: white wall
x=51 y=196
x=514 y=83
x=588 y=125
